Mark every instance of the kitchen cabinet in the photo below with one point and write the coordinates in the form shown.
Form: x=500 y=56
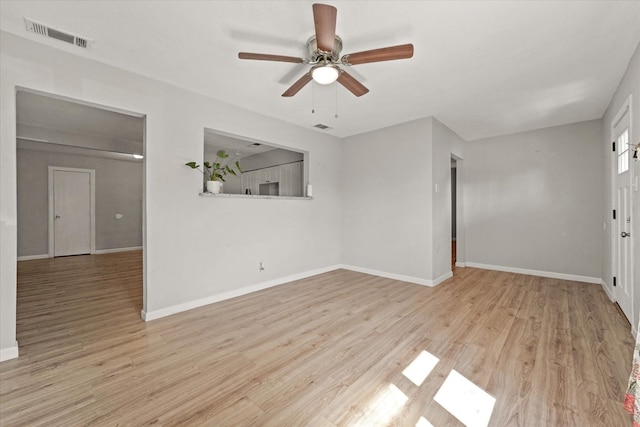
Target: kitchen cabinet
x=291 y=179
x=269 y=175
x=286 y=178
x=250 y=182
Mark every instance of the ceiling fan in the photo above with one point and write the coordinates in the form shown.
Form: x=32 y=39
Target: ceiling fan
x=324 y=55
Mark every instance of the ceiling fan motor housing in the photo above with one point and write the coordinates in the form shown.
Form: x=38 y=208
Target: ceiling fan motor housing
x=317 y=55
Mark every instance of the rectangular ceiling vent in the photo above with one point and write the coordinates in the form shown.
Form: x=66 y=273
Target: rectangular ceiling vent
x=321 y=126
x=47 y=31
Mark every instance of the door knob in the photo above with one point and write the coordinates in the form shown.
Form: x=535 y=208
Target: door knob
x=625 y=234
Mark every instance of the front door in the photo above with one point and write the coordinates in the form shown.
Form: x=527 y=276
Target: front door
x=623 y=291
x=72 y=212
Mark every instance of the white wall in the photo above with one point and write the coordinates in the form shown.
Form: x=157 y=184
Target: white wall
x=386 y=200
x=397 y=200
x=629 y=85
x=8 y=271
x=445 y=143
x=195 y=247
x=533 y=200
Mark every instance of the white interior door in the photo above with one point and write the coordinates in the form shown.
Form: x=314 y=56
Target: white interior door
x=72 y=212
x=623 y=290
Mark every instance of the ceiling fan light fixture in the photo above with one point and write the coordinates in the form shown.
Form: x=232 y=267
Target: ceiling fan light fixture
x=325 y=74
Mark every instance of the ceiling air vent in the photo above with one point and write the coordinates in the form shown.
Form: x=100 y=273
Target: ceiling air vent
x=47 y=31
x=321 y=126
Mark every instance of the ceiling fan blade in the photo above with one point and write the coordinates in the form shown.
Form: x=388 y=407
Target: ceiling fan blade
x=351 y=84
x=402 y=51
x=302 y=81
x=324 y=18
x=265 y=57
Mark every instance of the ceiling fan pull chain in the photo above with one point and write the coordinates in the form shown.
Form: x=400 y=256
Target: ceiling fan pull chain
x=313 y=99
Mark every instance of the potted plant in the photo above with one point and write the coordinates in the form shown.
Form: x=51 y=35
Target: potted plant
x=217 y=170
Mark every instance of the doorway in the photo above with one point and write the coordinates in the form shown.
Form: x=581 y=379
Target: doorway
x=622 y=248
x=92 y=157
x=71 y=211
x=454 y=220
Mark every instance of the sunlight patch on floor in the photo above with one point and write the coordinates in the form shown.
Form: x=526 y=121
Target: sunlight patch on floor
x=422 y=422
x=384 y=407
x=420 y=368
x=465 y=400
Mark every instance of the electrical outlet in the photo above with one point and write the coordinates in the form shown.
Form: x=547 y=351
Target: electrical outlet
x=261 y=266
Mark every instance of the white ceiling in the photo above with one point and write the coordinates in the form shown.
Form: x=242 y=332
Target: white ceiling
x=482 y=68
x=240 y=148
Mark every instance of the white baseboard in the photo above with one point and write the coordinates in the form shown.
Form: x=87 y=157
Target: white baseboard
x=540 y=273
x=401 y=277
x=178 y=308
x=110 y=251
x=445 y=276
x=607 y=291
x=30 y=257
x=9 y=353
x=612 y=298
x=461 y=264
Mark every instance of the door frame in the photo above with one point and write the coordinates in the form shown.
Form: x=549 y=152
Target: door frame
x=461 y=258
x=625 y=108
x=92 y=173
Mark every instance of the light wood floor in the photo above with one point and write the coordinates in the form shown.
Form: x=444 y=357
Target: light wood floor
x=317 y=352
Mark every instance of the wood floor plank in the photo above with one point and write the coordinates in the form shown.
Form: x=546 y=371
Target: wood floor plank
x=328 y=350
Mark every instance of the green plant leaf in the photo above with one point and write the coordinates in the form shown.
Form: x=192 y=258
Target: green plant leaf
x=238 y=166
x=193 y=165
x=222 y=154
x=207 y=165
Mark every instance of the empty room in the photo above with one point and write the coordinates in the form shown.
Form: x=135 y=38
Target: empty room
x=355 y=213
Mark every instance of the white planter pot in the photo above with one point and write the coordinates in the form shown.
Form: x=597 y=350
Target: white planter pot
x=213 y=186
